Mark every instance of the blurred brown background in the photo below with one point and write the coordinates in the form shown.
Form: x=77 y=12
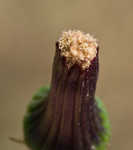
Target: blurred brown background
x=28 y=31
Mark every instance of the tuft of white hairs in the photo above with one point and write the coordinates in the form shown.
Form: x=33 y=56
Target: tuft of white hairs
x=78 y=47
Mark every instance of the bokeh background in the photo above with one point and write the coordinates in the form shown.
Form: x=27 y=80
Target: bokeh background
x=28 y=31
